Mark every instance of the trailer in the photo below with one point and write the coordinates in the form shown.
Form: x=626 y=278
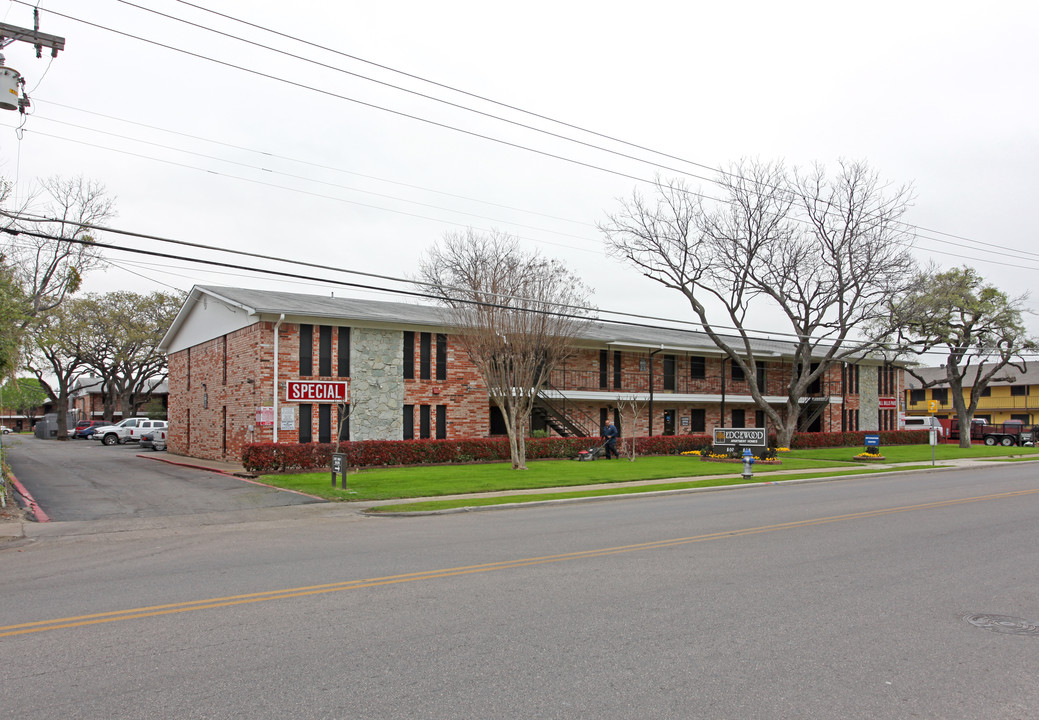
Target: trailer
x=1008 y=434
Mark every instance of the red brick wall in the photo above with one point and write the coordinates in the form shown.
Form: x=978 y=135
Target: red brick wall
x=211 y=417
x=463 y=392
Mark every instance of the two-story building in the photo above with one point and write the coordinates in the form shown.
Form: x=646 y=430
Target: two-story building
x=259 y=366
x=1002 y=400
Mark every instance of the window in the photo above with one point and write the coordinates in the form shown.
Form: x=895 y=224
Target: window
x=305 y=420
x=1026 y=419
x=423 y=421
x=224 y=343
x=497 y=421
x=669 y=372
x=306 y=350
x=324 y=421
x=324 y=351
x=441 y=356
x=425 y=348
x=409 y=422
x=603 y=354
x=409 y=355
x=1018 y=390
x=223 y=423
x=617 y=370
x=603 y=416
x=343 y=369
x=917 y=396
x=738 y=418
x=698 y=420
x=940 y=394
x=850 y=377
x=737 y=376
x=441 y=432
x=759 y=418
x=697 y=367
x=987 y=392
x=761 y=381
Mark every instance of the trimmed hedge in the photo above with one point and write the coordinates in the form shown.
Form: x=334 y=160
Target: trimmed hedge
x=273 y=457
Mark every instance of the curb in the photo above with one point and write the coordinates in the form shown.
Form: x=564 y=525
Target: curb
x=634 y=495
x=236 y=475
x=30 y=501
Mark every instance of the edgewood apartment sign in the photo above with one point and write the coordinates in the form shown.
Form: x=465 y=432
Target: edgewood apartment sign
x=744 y=437
x=319 y=391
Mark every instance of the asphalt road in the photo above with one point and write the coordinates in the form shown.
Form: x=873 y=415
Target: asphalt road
x=85 y=480
x=827 y=600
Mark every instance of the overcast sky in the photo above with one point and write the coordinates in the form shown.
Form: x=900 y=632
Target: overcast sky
x=941 y=95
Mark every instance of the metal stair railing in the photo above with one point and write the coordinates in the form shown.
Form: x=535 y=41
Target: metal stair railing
x=571 y=420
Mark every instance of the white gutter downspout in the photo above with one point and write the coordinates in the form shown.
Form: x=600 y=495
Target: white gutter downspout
x=276 y=423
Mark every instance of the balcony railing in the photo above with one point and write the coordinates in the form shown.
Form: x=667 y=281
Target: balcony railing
x=638 y=382
x=1013 y=402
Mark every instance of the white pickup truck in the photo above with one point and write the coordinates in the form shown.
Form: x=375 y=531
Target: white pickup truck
x=129 y=430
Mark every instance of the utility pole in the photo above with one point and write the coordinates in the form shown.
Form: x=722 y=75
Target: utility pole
x=11 y=79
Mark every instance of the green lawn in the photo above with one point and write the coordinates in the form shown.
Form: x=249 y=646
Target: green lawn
x=435 y=505
x=434 y=481
x=919 y=453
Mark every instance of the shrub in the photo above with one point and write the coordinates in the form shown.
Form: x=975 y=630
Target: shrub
x=272 y=457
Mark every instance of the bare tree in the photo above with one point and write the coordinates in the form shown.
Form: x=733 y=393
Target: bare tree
x=977 y=326
x=823 y=252
x=634 y=407
x=49 y=270
x=515 y=314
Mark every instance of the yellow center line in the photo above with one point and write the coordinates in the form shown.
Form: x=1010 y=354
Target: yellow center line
x=231 y=600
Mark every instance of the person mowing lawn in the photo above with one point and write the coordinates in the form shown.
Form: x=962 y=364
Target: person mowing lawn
x=609 y=434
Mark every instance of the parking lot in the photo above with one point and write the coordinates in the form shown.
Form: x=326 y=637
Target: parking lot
x=85 y=480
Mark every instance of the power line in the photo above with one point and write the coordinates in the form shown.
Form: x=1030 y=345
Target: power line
x=415 y=92
x=586 y=313
x=320 y=166
x=452 y=127
x=184 y=243
x=989 y=260
x=488 y=100
x=294 y=190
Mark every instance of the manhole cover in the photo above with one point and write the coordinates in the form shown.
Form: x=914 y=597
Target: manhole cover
x=1003 y=624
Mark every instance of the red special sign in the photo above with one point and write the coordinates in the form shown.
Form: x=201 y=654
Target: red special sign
x=315 y=391
x=888 y=403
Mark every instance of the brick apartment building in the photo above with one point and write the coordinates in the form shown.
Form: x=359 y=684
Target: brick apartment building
x=231 y=348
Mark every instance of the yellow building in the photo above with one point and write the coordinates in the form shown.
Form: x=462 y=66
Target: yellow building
x=1002 y=400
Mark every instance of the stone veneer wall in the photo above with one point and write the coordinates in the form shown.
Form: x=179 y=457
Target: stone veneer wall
x=376 y=384
x=869 y=398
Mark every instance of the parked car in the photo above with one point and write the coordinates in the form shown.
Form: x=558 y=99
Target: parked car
x=85 y=428
x=155 y=438
x=129 y=430
x=6 y=429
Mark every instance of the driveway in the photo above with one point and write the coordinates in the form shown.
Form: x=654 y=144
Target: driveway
x=85 y=480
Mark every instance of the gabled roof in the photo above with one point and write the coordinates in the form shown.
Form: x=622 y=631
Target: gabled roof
x=1029 y=377
x=267 y=305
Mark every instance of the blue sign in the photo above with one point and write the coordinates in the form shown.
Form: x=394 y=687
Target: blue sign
x=872 y=441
